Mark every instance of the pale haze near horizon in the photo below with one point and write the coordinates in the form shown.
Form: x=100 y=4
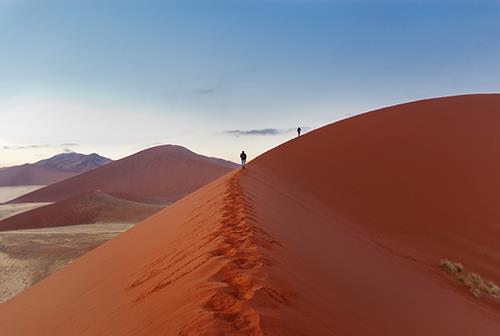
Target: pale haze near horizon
x=115 y=77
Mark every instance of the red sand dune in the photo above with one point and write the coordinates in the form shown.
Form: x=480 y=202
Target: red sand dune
x=339 y=232
x=162 y=173
x=86 y=208
x=52 y=170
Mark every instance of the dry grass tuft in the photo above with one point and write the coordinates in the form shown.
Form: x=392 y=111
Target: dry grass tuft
x=476 y=292
x=476 y=279
x=476 y=285
x=484 y=288
x=459 y=267
x=450 y=267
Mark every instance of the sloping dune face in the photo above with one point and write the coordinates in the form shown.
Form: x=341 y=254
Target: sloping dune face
x=339 y=232
x=425 y=175
x=162 y=173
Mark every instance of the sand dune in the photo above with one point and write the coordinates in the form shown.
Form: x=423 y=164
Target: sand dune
x=86 y=208
x=162 y=173
x=339 y=232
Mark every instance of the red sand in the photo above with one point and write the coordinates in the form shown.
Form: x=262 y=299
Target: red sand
x=163 y=173
x=339 y=232
x=87 y=208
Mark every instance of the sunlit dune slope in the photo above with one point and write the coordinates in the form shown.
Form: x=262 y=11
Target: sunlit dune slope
x=339 y=232
x=162 y=173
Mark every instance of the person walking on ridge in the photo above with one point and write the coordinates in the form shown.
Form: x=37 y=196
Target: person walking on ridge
x=243 y=158
x=298 y=131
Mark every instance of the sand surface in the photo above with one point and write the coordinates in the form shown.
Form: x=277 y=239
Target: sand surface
x=338 y=232
x=27 y=256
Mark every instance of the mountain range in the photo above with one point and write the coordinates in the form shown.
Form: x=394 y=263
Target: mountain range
x=52 y=170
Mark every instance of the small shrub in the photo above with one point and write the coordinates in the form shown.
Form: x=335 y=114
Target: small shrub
x=476 y=278
x=494 y=287
x=468 y=283
x=461 y=278
x=484 y=288
x=459 y=267
x=476 y=292
x=472 y=281
x=448 y=266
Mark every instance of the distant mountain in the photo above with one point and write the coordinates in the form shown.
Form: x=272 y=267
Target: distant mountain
x=52 y=170
x=74 y=162
x=159 y=174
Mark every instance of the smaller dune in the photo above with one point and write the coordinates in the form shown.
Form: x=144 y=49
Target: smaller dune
x=157 y=174
x=90 y=207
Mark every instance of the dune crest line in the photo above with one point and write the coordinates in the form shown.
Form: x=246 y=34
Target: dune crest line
x=242 y=273
x=234 y=249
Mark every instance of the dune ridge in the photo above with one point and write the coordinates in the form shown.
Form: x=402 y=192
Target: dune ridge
x=233 y=244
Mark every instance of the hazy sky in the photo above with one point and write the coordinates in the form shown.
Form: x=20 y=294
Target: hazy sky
x=114 y=77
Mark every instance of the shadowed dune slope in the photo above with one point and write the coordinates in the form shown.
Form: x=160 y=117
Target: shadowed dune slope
x=339 y=232
x=162 y=173
x=87 y=208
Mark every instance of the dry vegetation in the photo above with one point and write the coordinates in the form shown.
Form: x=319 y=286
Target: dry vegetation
x=28 y=256
x=476 y=285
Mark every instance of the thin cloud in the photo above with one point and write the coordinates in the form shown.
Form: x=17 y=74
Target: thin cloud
x=34 y=146
x=205 y=91
x=263 y=131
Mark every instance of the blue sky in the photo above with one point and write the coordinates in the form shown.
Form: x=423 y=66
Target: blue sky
x=114 y=77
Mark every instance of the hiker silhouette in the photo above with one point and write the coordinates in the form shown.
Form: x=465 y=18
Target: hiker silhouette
x=243 y=158
x=298 y=131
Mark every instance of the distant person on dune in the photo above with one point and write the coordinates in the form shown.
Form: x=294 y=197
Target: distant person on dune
x=298 y=131
x=243 y=158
